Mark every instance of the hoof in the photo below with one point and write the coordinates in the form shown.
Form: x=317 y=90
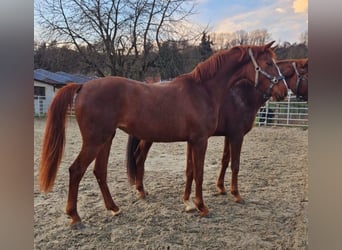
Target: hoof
x=237 y=197
x=204 y=211
x=142 y=195
x=239 y=200
x=189 y=206
x=221 y=191
x=78 y=225
x=115 y=213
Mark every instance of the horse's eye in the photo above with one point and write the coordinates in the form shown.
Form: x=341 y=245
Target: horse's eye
x=269 y=63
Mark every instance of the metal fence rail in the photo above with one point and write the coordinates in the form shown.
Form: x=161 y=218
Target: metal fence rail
x=290 y=112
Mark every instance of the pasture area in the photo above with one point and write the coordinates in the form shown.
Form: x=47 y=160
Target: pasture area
x=273 y=180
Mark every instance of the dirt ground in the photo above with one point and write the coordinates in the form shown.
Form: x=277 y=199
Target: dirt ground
x=273 y=180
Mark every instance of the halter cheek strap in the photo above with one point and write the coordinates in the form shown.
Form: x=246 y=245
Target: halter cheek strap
x=274 y=80
x=299 y=77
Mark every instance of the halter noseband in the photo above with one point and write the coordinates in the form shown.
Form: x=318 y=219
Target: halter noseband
x=299 y=79
x=274 y=80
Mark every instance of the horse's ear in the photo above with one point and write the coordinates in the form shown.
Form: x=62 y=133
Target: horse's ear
x=303 y=63
x=267 y=46
x=274 y=47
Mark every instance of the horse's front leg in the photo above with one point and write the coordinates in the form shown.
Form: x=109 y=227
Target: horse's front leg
x=235 y=166
x=140 y=157
x=224 y=165
x=189 y=205
x=198 y=149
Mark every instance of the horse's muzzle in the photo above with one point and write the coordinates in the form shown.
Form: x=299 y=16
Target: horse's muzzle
x=278 y=97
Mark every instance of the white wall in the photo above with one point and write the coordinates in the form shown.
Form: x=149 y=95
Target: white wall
x=41 y=106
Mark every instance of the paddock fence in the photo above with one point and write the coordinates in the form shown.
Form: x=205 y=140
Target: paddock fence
x=41 y=107
x=290 y=112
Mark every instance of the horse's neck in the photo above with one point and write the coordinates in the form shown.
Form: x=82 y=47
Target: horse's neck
x=220 y=71
x=291 y=80
x=254 y=98
x=249 y=96
x=221 y=83
x=289 y=73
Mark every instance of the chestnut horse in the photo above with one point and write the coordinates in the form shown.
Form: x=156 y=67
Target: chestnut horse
x=242 y=98
x=296 y=69
x=185 y=109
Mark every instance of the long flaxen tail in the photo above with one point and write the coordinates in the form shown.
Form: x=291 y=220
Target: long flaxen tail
x=54 y=137
x=131 y=164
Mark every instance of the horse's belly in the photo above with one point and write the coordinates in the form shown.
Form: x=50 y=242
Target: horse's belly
x=155 y=133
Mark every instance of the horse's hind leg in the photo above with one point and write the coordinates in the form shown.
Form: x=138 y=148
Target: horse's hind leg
x=100 y=172
x=225 y=161
x=140 y=156
x=76 y=172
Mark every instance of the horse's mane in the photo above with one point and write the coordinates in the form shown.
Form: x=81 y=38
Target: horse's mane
x=300 y=60
x=208 y=68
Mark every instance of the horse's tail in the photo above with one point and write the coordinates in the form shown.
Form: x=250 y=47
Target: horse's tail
x=131 y=164
x=54 y=137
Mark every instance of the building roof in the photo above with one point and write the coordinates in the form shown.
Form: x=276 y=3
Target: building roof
x=59 y=78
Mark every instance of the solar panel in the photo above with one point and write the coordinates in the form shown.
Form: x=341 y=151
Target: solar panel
x=59 y=77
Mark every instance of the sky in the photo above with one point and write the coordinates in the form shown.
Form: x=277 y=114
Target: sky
x=285 y=20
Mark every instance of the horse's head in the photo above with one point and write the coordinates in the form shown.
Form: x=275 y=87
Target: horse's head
x=302 y=84
x=296 y=72
x=260 y=68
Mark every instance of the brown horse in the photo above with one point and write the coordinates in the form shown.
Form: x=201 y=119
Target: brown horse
x=240 y=99
x=296 y=69
x=185 y=109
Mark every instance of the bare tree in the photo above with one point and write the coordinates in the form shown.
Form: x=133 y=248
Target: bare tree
x=127 y=32
x=259 y=37
x=240 y=37
x=304 y=38
x=221 y=40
